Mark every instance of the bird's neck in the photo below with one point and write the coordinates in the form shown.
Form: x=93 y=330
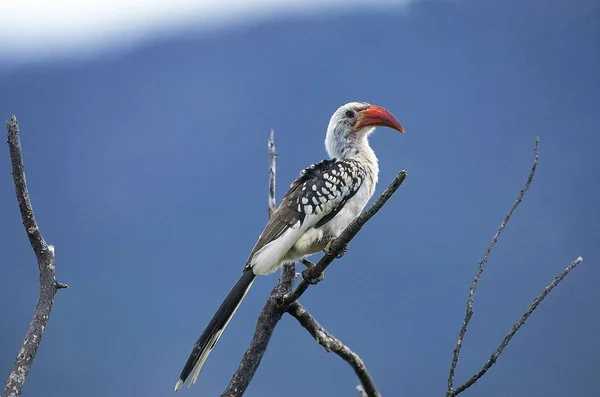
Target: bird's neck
x=360 y=150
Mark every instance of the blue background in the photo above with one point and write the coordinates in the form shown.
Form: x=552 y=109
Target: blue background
x=148 y=172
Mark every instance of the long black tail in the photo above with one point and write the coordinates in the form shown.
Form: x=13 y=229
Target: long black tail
x=215 y=328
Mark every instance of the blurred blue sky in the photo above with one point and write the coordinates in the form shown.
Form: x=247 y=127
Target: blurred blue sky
x=148 y=171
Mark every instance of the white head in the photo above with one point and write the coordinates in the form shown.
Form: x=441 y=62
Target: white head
x=351 y=125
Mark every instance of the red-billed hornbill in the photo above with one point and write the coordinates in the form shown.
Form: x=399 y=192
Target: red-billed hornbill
x=319 y=205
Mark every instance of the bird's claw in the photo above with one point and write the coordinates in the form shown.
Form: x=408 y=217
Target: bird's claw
x=307 y=263
x=306 y=273
x=327 y=249
x=311 y=280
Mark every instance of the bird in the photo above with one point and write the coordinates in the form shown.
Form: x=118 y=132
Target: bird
x=321 y=202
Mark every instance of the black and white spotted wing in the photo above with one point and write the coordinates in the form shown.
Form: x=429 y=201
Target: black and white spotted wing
x=318 y=194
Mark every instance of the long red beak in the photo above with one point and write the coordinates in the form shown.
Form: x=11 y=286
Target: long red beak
x=377 y=116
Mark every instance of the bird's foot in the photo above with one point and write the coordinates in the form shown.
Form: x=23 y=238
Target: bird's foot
x=312 y=280
x=306 y=273
x=309 y=265
x=327 y=249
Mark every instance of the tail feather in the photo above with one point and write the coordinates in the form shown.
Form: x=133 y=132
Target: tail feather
x=211 y=334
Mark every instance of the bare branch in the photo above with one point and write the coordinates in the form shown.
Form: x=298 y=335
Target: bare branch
x=271 y=313
x=286 y=279
x=346 y=236
x=492 y=360
x=469 y=308
x=267 y=321
x=288 y=271
x=272 y=172
x=46 y=262
x=332 y=344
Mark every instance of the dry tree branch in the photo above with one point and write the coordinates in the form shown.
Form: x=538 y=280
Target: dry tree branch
x=267 y=321
x=451 y=392
x=270 y=313
x=281 y=296
x=46 y=262
x=272 y=172
x=492 y=360
x=332 y=344
x=288 y=271
x=469 y=308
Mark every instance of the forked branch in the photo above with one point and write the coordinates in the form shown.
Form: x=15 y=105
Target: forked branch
x=492 y=360
x=451 y=391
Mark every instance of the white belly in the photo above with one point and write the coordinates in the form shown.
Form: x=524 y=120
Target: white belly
x=307 y=244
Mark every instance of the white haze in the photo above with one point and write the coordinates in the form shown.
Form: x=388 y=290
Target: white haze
x=36 y=29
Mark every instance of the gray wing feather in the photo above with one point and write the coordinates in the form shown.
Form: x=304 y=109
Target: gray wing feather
x=283 y=219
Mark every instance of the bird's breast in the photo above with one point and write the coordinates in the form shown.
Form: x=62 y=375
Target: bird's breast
x=351 y=211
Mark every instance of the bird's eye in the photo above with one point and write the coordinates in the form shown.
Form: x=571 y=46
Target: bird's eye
x=350 y=114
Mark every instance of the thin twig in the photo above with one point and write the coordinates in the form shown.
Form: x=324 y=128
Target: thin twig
x=346 y=236
x=278 y=303
x=492 y=360
x=469 y=306
x=46 y=263
x=332 y=344
x=272 y=172
x=288 y=271
x=271 y=313
x=286 y=280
